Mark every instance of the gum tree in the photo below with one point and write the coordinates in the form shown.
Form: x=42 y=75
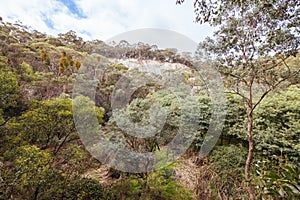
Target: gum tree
x=250 y=48
x=9 y=92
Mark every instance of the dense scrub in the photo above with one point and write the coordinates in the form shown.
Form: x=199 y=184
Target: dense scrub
x=42 y=156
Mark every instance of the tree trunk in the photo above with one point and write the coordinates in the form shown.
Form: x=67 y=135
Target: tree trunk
x=251 y=146
x=250 y=151
x=36 y=192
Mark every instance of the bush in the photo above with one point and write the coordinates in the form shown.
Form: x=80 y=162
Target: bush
x=158 y=185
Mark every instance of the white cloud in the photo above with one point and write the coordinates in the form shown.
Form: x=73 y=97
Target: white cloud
x=105 y=19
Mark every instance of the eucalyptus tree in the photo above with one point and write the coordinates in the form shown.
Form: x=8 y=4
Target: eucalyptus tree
x=250 y=48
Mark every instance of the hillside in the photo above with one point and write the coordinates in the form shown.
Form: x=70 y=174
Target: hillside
x=49 y=143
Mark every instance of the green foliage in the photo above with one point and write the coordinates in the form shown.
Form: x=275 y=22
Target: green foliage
x=109 y=77
x=248 y=34
x=87 y=117
x=277 y=124
x=170 y=101
x=281 y=13
x=32 y=166
x=176 y=108
x=46 y=86
x=161 y=116
x=278 y=178
x=85 y=105
x=228 y=158
x=71 y=39
x=30 y=171
x=26 y=73
x=1 y=117
x=48 y=123
x=235 y=124
x=38 y=175
x=43 y=158
x=3 y=63
x=228 y=164
x=165 y=180
x=75 y=160
x=83 y=189
x=294 y=64
x=161 y=184
x=9 y=93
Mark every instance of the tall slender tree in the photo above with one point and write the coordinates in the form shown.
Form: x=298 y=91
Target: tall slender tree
x=251 y=47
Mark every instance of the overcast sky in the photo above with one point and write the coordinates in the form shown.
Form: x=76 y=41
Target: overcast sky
x=103 y=19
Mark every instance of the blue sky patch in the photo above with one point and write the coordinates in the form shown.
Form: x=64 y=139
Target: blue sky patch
x=86 y=33
x=71 y=5
x=48 y=21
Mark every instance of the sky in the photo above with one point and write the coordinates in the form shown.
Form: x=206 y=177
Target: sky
x=104 y=19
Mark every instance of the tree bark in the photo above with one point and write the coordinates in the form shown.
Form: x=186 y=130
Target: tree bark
x=251 y=145
x=250 y=109
x=250 y=151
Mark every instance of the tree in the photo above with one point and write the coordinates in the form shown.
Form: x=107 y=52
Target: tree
x=251 y=47
x=9 y=91
x=48 y=124
x=38 y=174
x=71 y=39
x=30 y=173
x=216 y=12
x=106 y=85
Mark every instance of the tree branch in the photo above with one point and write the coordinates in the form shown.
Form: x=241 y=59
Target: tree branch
x=239 y=94
x=267 y=92
x=252 y=55
x=4 y=122
x=235 y=76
